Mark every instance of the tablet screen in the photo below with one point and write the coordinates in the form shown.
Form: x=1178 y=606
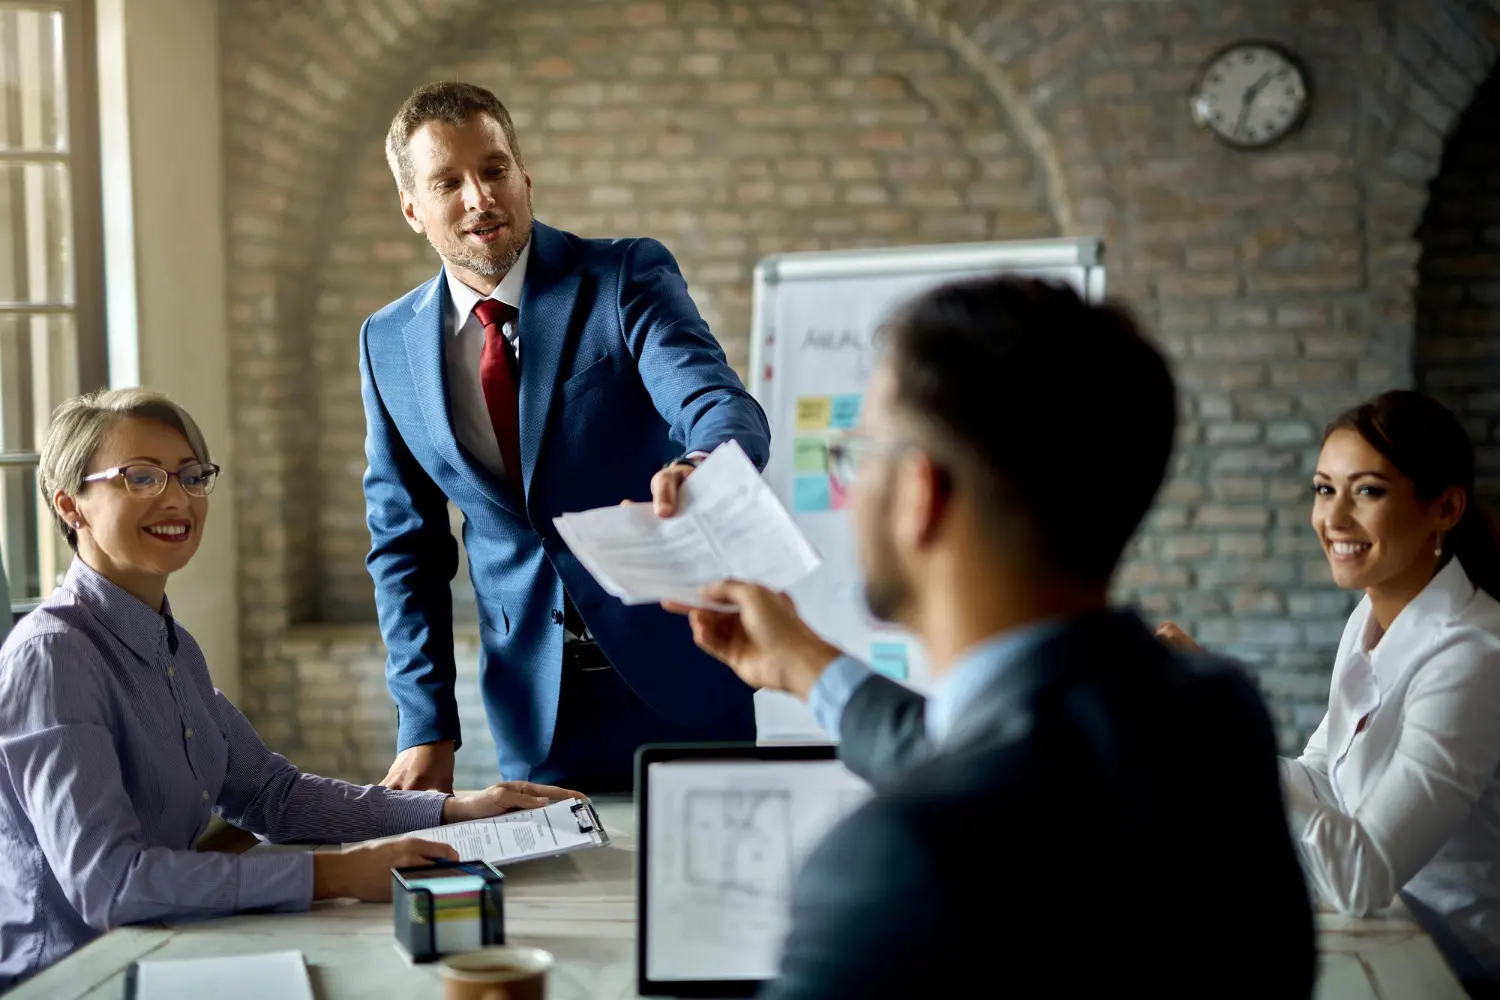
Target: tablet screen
x=724 y=843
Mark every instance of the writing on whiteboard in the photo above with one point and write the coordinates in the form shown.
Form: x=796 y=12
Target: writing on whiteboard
x=849 y=351
x=835 y=340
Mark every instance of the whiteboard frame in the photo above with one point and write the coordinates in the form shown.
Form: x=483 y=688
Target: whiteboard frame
x=1007 y=255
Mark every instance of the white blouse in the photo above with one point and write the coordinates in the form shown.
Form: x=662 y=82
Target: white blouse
x=1411 y=802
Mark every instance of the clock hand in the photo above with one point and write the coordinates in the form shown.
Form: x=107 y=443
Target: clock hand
x=1251 y=93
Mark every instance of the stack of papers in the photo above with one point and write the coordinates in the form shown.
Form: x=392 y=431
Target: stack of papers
x=729 y=525
x=280 y=975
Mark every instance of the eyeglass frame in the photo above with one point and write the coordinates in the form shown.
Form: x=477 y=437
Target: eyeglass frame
x=850 y=450
x=209 y=469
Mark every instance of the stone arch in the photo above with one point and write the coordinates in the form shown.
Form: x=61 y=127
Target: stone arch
x=306 y=81
x=1274 y=315
x=303 y=100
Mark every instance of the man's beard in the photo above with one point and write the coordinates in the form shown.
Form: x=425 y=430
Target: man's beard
x=887 y=591
x=492 y=261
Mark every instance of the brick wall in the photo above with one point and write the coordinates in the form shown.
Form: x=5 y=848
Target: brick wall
x=1458 y=301
x=1280 y=282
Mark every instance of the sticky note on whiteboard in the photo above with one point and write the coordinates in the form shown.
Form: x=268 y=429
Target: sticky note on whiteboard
x=810 y=455
x=813 y=413
x=810 y=494
x=844 y=411
x=889 y=658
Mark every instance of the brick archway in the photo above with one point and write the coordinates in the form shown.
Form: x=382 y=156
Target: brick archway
x=1281 y=283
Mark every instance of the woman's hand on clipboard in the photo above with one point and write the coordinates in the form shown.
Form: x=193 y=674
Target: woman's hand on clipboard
x=765 y=642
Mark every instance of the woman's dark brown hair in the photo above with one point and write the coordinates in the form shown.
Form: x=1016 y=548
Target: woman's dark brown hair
x=1425 y=442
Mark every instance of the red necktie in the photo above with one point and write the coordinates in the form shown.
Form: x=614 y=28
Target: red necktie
x=497 y=375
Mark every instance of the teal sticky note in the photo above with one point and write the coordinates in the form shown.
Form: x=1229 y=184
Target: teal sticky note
x=844 y=413
x=810 y=493
x=889 y=658
x=449 y=886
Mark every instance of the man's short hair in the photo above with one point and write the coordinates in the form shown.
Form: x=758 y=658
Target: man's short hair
x=1059 y=413
x=451 y=102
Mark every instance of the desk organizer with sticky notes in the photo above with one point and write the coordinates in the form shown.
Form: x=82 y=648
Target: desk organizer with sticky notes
x=448 y=908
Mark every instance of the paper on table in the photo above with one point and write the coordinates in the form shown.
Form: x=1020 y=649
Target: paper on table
x=280 y=974
x=729 y=525
x=515 y=836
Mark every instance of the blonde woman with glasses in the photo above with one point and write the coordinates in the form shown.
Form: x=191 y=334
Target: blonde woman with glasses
x=115 y=748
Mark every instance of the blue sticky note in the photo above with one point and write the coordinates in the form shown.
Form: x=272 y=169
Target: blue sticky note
x=810 y=493
x=449 y=886
x=845 y=412
x=889 y=658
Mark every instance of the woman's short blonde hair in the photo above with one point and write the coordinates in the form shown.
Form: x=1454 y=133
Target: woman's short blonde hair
x=80 y=425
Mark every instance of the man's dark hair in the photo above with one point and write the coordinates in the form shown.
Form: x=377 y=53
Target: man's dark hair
x=1059 y=414
x=450 y=102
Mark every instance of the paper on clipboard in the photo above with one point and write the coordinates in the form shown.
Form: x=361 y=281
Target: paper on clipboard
x=729 y=525
x=556 y=828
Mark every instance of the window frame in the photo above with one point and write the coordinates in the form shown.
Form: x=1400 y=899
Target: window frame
x=82 y=160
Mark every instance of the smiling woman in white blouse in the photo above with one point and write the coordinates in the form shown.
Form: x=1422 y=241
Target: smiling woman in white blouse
x=1397 y=790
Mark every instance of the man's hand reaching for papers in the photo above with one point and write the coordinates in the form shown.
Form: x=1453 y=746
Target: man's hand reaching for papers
x=503 y=798
x=766 y=642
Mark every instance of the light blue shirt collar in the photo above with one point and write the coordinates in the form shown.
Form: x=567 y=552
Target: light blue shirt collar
x=977 y=669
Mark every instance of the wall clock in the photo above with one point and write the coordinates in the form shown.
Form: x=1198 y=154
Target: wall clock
x=1251 y=95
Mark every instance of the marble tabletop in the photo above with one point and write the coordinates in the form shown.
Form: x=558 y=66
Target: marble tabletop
x=581 y=907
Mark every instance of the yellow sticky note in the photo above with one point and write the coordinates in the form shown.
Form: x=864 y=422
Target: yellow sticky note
x=813 y=413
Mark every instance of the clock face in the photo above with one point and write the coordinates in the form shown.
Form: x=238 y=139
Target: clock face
x=1250 y=95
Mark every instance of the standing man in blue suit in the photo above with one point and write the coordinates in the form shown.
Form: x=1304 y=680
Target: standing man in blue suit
x=537 y=373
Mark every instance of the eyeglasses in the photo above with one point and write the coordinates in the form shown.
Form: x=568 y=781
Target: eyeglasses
x=149 y=481
x=847 y=453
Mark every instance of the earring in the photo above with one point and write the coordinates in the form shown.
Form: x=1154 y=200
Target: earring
x=77 y=525
x=1437 y=549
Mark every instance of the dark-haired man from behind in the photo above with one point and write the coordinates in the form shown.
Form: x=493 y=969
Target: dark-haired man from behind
x=1076 y=810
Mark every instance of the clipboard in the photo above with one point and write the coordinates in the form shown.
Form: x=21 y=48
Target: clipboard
x=523 y=835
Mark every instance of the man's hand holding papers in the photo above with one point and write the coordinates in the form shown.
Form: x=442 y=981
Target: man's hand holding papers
x=728 y=525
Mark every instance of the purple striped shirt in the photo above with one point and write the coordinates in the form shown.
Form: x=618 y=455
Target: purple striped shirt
x=114 y=750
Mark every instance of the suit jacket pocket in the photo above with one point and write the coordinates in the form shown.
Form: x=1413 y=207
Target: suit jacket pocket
x=597 y=372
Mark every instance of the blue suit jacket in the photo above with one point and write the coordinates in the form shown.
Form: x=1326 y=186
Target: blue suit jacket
x=618 y=375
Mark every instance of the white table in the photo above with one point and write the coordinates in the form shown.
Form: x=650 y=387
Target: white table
x=582 y=909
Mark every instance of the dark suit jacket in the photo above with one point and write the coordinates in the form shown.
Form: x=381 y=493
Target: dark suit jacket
x=619 y=374
x=1103 y=820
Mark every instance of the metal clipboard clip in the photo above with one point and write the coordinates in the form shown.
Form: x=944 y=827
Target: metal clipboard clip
x=588 y=820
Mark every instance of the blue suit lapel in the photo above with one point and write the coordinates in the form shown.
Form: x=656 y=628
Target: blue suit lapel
x=423 y=335
x=547 y=303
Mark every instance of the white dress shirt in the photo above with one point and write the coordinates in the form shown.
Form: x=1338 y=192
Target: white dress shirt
x=462 y=347
x=1410 y=803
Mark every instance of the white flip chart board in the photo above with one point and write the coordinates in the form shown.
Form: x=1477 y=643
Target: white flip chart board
x=811 y=353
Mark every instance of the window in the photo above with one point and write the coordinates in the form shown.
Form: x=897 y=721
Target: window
x=51 y=287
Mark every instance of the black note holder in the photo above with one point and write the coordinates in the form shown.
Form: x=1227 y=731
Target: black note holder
x=416 y=915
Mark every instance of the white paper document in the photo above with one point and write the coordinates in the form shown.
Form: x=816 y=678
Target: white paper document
x=557 y=828
x=280 y=975
x=729 y=525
